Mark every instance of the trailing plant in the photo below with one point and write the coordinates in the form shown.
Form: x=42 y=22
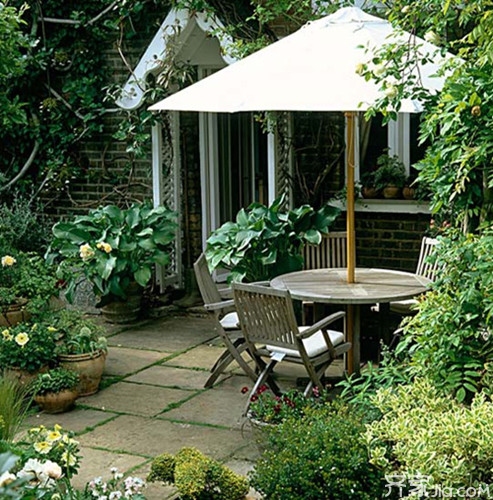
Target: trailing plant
x=428 y=438
x=266 y=241
x=113 y=247
x=55 y=380
x=320 y=455
x=197 y=476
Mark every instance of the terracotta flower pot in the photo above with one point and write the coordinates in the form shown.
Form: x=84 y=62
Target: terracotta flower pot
x=14 y=313
x=23 y=376
x=125 y=310
x=57 y=402
x=90 y=368
x=391 y=192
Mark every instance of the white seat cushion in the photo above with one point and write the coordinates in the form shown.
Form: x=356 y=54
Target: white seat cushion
x=404 y=306
x=314 y=345
x=230 y=321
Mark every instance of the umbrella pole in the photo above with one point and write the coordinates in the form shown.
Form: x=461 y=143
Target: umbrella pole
x=351 y=244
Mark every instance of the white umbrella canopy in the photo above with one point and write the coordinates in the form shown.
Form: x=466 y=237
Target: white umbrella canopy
x=313 y=69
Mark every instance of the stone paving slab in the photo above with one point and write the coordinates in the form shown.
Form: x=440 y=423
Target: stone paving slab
x=168 y=334
x=77 y=420
x=171 y=377
x=98 y=463
x=202 y=356
x=123 y=361
x=150 y=437
x=222 y=405
x=138 y=399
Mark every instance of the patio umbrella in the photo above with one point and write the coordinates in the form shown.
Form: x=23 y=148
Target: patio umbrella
x=313 y=69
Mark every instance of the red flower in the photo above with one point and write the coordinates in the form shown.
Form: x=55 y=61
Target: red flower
x=244 y=390
x=254 y=398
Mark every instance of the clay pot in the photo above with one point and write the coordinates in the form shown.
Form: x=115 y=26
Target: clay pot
x=90 y=368
x=14 y=313
x=391 y=192
x=57 y=402
x=23 y=376
x=124 y=311
x=369 y=192
x=408 y=193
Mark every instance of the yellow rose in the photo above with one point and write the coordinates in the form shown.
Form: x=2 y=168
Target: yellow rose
x=86 y=252
x=8 y=261
x=22 y=339
x=105 y=247
x=7 y=335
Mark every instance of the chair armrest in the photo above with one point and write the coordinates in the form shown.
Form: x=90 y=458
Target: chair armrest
x=320 y=325
x=217 y=306
x=226 y=293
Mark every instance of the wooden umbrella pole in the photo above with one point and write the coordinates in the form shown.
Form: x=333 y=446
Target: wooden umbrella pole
x=351 y=235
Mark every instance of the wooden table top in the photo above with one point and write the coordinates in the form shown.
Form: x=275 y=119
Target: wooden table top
x=371 y=285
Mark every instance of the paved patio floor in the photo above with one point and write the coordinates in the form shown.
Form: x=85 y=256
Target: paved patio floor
x=153 y=401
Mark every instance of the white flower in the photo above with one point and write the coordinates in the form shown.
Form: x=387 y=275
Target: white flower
x=6 y=478
x=379 y=69
x=391 y=91
x=52 y=469
x=405 y=9
x=8 y=261
x=86 y=252
x=432 y=37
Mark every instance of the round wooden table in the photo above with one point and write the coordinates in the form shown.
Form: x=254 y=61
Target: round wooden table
x=371 y=286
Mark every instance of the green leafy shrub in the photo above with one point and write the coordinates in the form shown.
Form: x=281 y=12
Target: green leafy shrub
x=23 y=226
x=27 y=346
x=26 y=276
x=265 y=242
x=198 y=477
x=424 y=432
x=112 y=247
x=321 y=455
x=449 y=340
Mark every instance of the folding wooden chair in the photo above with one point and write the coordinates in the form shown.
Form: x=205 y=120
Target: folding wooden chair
x=226 y=320
x=424 y=268
x=267 y=319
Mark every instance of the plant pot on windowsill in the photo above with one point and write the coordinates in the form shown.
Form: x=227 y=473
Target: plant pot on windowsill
x=391 y=192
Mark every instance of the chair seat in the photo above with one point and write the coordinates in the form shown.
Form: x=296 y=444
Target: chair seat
x=314 y=345
x=230 y=321
x=403 y=306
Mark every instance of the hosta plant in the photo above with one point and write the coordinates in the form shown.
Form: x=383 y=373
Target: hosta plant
x=265 y=242
x=113 y=247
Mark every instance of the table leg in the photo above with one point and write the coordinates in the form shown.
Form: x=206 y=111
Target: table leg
x=353 y=314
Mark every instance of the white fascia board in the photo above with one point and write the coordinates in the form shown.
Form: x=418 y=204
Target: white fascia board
x=176 y=22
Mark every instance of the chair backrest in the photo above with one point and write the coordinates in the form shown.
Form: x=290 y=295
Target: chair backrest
x=266 y=315
x=208 y=289
x=330 y=253
x=425 y=267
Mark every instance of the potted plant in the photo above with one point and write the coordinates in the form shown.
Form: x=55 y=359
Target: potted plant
x=26 y=349
x=56 y=390
x=390 y=176
x=368 y=185
x=115 y=250
x=265 y=242
x=82 y=348
x=26 y=286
